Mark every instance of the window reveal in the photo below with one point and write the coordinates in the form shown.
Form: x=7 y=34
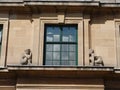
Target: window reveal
x=1 y=30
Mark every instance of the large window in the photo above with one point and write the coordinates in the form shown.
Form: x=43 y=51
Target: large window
x=60 y=45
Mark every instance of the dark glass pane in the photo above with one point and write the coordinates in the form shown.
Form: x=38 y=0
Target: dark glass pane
x=49 y=34
x=72 y=38
x=56 y=47
x=72 y=47
x=48 y=63
x=73 y=30
x=65 y=38
x=49 y=30
x=72 y=62
x=56 y=38
x=56 y=55
x=72 y=34
x=56 y=62
x=48 y=55
x=64 y=63
x=56 y=33
x=72 y=55
x=49 y=47
x=64 y=47
x=65 y=34
x=64 y=56
x=49 y=38
x=69 y=34
x=65 y=30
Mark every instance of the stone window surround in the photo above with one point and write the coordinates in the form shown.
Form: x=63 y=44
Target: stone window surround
x=4 y=21
x=117 y=34
x=55 y=19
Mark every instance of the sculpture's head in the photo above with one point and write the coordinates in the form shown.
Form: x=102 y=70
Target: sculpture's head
x=91 y=51
x=27 y=51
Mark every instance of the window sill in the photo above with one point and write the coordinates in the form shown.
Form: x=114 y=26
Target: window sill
x=64 y=68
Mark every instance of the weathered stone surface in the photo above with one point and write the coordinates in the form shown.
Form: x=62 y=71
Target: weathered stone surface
x=101 y=1
x=11 y=0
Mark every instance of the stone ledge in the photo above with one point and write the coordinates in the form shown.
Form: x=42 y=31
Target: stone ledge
x=117 y=70
x=65 y=68
x=63 y=3
x=98 y=3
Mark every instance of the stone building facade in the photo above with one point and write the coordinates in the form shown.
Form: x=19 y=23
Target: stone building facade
x=59 y=44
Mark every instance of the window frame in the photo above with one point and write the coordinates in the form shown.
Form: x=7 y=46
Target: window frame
x=38 y=44
x=117 y=34
x=4 y=22
x=1 y=25
x=61 y=43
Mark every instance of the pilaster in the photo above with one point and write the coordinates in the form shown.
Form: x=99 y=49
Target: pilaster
x=86 y=39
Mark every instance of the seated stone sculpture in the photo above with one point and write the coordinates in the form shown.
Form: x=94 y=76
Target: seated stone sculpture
x=26 y=58
x=98 y=61
x=91 y=57
x=95 y=60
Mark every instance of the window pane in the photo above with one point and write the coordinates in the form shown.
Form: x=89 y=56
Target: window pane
x=56 y=33
x=56 y=55
x=48 y=55
x=72 y=56
x=49 y=34
x=72 y=47
x=72 y=38
x=65 y=38
x=49 y=47
x=69 y=34
x=72 y=34
x=64 y=47
x=72 y=62
x=65 y=34
x=64 y=55
x=64 y=63
x=49 y=37
x=73 y=30
x=65 y=30
x=56 y=38
x=56 y=62
x=56 y=47
x=48 y=63
x=49 y=30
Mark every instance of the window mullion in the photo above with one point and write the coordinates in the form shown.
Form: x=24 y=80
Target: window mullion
x=52 y=53
x=60 y=45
